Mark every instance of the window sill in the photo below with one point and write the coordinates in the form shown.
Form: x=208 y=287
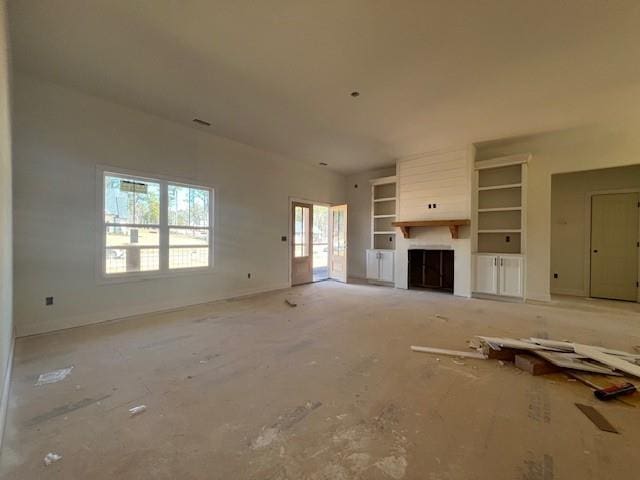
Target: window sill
x=145 y=277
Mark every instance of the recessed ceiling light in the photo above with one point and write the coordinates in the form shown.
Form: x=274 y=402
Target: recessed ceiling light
x=355 y=94
x=201 y=122
x=323 y=164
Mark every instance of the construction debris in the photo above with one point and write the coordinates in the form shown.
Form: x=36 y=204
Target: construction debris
x=54 y=376
x=453 y=353
x=534 y=365
x=136 y=410
x=614 y=391
x=574 y=362
x=597 y=418
x=290 y=303
x=540 y=356
x=51 y=458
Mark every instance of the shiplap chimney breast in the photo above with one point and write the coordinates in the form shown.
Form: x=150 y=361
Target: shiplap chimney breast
x=443 y=179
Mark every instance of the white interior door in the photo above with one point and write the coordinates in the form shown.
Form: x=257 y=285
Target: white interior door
x=301 y=258
x=338 y=243
x=614 y=246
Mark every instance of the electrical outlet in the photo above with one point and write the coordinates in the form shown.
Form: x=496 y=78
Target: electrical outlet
x=283 y=238
x=248 y=275
x=555 y=275
x=48 y=301
x=507 y=238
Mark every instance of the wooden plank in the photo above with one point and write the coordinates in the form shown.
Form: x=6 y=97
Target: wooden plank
x=453 y=225
x=508 y=354
x=573 y=361
x=570 y=347
x=534 y=365
x=514 y=343
x=453 y=353
x=597 y=418
x=610 y=360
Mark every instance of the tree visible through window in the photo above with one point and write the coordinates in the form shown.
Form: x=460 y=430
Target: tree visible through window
x=138 y=238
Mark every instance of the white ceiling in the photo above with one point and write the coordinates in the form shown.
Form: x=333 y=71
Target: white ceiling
x=277 y=74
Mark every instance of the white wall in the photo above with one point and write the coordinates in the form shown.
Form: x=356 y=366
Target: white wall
x=60 y=137
x=569 y=226
x=359 y=218
x=6 y=279
x=443 y=178
x=564 y=151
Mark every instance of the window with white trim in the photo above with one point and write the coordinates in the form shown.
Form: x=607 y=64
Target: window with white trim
x=154 y=226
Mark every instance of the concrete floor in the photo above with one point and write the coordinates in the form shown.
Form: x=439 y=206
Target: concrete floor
x=255 y=389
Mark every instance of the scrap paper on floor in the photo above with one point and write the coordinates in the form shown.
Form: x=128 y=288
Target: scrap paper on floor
x=54 y=376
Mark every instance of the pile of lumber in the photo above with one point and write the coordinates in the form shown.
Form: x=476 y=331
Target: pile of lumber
x=601 y=369
x=540 y=356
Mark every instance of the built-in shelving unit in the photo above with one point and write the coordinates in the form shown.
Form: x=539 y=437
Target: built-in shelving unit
x=500 y=205
x=499 y=223
x=380 y=258
x=383 y=213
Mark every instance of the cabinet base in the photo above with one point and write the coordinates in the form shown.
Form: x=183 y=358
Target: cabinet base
x=500 y=298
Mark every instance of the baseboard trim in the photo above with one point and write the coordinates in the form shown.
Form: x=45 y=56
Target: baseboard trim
x=569 y=291
x=4 y=401
x=127 y=313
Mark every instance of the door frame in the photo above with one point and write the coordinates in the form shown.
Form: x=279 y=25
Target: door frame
x=293 y=200
x=587 y=234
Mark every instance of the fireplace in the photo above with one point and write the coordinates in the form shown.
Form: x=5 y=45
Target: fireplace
x=431 y=269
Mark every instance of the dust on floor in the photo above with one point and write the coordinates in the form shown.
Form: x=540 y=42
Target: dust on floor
x=255 y=389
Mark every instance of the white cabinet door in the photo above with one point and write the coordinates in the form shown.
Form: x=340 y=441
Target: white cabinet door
x=511 y=276
x=386 y=266
x=373 y=265
x=486 y=275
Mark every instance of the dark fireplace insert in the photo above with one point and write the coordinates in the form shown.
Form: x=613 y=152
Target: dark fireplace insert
x=431 y=269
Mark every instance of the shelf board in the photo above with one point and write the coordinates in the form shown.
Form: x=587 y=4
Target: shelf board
x=502 y=230
x=499 y=209
x=500 y=187
x=385 y=216
x=387 y=199
x=384 y=233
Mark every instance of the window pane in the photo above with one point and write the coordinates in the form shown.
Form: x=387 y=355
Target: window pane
x=188 y=207
x=339 y=238
x=301 y=231
x=128 y=200
x=124 y=260
x=188 y=236
x=182 y=257
x=121 y=236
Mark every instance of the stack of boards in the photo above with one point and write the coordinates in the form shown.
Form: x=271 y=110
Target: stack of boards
x=597 y=367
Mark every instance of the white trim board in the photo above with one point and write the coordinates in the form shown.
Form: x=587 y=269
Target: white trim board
x=610 y=360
